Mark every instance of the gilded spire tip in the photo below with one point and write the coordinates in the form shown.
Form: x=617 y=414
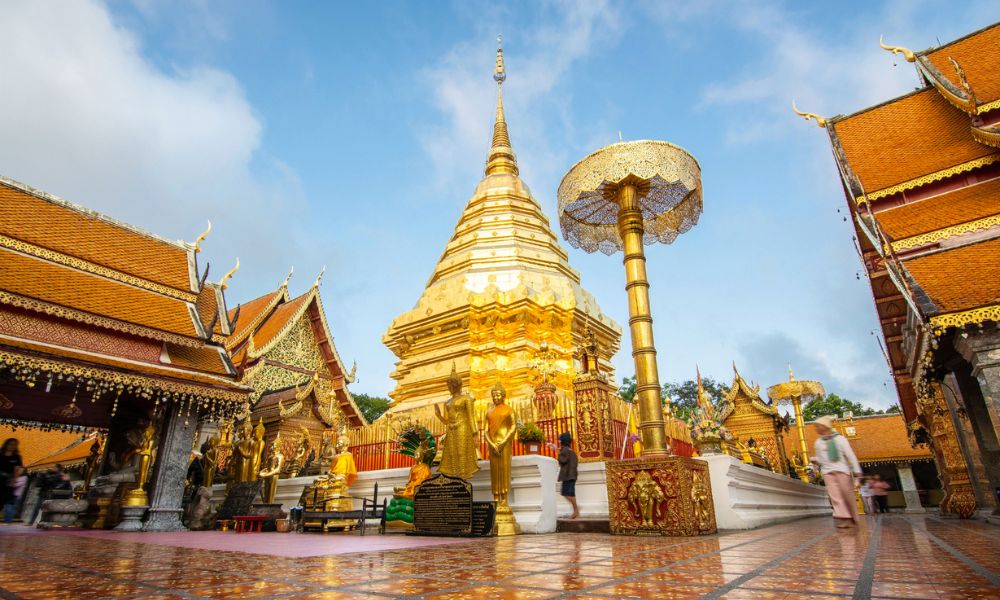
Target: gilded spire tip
x=501 y=158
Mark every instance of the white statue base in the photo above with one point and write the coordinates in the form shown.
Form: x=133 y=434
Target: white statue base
x=747 y=497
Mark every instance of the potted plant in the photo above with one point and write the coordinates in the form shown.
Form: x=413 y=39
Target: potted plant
x=531 y=435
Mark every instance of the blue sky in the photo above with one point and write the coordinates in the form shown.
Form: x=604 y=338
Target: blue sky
x=351 y=135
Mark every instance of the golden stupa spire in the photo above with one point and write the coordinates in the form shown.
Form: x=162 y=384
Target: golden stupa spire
x=501 y=158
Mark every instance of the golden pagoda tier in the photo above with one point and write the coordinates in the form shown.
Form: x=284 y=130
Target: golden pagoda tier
x=503 y=302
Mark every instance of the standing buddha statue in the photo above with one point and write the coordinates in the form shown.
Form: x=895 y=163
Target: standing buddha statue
x=210 y=456
x=272 y=469
x=500 y=437
x=458 y=458
x=144 y=460
x=256 y=452
x=243 y=453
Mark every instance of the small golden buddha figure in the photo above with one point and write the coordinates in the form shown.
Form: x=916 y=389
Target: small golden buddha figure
x=90 y=466
x=333 y=489
x=242 y=453
x=327 y=453
x=500 y=437
x=272 y=469
x=459 y=456
x=211 y=460
x=252 y=466
x=144 y=460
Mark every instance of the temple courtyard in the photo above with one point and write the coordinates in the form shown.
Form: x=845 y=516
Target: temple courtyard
x=895 y=556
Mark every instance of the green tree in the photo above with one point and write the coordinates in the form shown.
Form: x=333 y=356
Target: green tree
x=371 y=407
x=834 y=405
x=683 y=395
x=892 y=410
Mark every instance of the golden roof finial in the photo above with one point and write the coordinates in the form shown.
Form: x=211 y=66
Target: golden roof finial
x=819 y=120
x=791 y=376
x=201 y=238
x=319 y=277
x=501 y=158
x=225 y=278
x=906 y=52
x=288 y=277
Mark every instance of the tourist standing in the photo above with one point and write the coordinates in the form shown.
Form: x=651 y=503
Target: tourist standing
x=880 y=491
x=837 y=463
x=17 y=483
x=567 y=471
x=10 y=459
x=867 y=495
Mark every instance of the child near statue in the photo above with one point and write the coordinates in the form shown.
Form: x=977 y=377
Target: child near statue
x=567 y=471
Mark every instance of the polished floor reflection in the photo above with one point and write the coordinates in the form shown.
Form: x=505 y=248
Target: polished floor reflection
x=895 y=556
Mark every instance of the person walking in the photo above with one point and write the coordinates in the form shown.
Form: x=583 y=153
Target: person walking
x=17 y=483
x=837 y=463
x=567 y=471
x=10 y=459
x=880 y=492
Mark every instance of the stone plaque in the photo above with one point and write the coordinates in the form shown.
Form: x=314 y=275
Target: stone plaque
x=239 y=500
x=443 y=506
x=484 y=516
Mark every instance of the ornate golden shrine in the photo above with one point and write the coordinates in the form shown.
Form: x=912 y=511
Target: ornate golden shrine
x=502 y=288
x=748 y=417
x=660 y=496
x=285 y=352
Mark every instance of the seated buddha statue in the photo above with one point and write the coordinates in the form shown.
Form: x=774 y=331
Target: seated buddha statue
x=332 y=491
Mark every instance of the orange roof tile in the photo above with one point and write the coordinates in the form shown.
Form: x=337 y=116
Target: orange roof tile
x=877 y=437
x=206 y=358
x=251 y=314
x=960 y=206
x=63 y=228
x=907 y=138
x=75 y=454
x=977 y=54
x=207 y=306
x=36 y=444
x=56 y=284
x=279 y=319
x=944 y=276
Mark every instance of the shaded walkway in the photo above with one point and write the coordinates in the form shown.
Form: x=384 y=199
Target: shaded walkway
x=895 y=557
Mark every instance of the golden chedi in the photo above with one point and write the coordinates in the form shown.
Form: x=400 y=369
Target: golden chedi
x=502 y=287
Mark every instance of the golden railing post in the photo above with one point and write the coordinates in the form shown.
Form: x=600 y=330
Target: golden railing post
x=640 y=322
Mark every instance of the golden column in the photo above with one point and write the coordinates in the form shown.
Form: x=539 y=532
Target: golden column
x=619 y=198
x=797 y=393
x=622 y=197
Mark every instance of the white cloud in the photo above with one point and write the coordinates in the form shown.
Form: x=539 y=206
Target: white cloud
x=86 y=116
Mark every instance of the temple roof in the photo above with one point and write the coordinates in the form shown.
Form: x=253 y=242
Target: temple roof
x=82 y=288
x=963 y=205
x=975 y=53
x=878 y=438
x=36 y=445
x=265 y=321
x=907 y=139
x=945 y=276
x=740 y=390
x=73 y=455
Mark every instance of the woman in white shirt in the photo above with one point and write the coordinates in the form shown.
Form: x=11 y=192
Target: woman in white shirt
x=837 y=463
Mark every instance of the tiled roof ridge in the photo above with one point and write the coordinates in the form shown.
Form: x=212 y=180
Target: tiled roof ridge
x=277 y=298
x=957 y=40
x=86 y=437
x=93 y=214
x=336 y=356
x=303 y=300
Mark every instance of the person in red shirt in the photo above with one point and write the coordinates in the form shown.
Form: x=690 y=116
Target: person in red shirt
x=880 y=491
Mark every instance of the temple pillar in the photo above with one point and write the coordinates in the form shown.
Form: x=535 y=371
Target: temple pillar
x=173 y=457
x=982 y=425
x=965 y=443
x=909 y=486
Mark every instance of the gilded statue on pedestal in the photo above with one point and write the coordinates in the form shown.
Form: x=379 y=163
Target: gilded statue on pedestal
x=326 y=454
x=500 y=436
x=90 y=467
x=301 y=452
x=418 y=443
x=458 y=458
x=272 y=469
x=144 y=460
x=331 y=492
x=210 y=456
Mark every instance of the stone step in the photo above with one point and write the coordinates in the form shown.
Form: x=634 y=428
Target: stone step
x=583 y=525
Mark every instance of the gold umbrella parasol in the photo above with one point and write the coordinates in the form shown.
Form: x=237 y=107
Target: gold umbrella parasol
x=798 y=393
x=619 y=198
